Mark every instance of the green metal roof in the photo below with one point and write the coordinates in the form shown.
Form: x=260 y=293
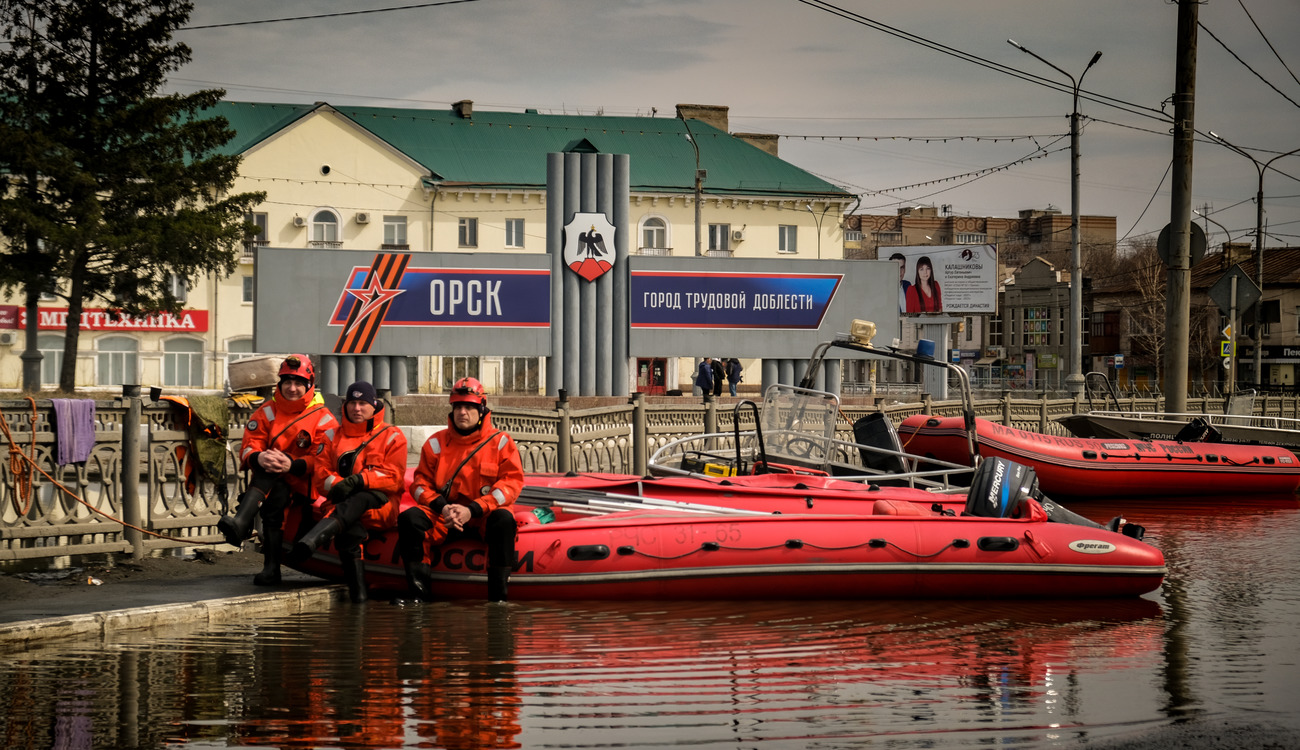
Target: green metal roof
x=508 y=149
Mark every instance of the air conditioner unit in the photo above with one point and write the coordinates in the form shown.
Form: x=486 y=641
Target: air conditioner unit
x=737 y=235
x=8 y=338
x=298 y=221
x=363 y=217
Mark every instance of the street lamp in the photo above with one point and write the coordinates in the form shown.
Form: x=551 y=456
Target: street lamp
x=699 y=182
x=1259 y=246
x=818 y=220
x=1073 y=381
x=1215 y=223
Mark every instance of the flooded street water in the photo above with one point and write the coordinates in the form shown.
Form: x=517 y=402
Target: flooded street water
x=1219 y=643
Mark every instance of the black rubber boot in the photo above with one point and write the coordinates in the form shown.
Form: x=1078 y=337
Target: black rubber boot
x=498 y=575
x=272 y=548
x=419 y=580
x=319 y=536
x=238 y=527
x=354 y=575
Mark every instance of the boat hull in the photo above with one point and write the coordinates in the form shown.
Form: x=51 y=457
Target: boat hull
x=1122 y=427
x=890 y=549
x=1069 y=467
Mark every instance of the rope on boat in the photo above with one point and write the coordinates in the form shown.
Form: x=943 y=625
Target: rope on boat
x=876 y=543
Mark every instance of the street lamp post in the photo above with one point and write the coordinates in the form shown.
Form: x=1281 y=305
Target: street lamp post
x=1259 y=247
x=699 y=183
x=1074 y=380
x=818 y=220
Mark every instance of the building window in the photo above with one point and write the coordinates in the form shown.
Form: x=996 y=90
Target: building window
x=1038 y=326
x=455 y=368
x=719 y=239
x=258 y=238
x=887 y=238
x=248 y=289
x=395 y=233
x=325 y=229
x=852 y=235
x=467 y=235
x=183 y=362
x=787 y=238
x=521 y=375
x=970 y=238
x=514 y=232
x=179 y=288
x=1063 y=315
x=654 y=236
x=51 y=348
x=117 y=361
x=239 y=349
x=970 y=328
x=995 y=330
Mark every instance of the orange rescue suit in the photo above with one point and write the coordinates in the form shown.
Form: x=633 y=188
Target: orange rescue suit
x=381 y=463
x=491 y=479
x=301 y=429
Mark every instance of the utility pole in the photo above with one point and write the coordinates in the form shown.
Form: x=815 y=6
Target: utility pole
x=1178 y=284
x=699 y=183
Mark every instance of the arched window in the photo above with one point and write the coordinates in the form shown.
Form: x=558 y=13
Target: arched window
x=183 y=362
x=654 y=236
x=117 y=361
x=325 y=228
x=238 y=349
x=50 y=345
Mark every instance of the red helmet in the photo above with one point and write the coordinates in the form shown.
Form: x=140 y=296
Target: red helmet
x=467 y=391
x=298 y=366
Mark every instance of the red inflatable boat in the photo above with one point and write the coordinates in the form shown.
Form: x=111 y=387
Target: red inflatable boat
x=771 y=537
x=1083 y=467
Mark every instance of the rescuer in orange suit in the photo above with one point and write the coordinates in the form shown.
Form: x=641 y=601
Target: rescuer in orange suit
x=362 y=475
x=282 y=442
x=468 y=477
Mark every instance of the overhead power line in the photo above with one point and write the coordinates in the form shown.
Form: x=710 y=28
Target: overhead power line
x=326 y=15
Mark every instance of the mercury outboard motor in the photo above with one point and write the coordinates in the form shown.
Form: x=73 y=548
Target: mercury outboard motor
x=1001 y=489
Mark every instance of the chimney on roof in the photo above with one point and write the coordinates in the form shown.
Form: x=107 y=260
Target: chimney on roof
x=709 y=114
x=464 y=109
x=765 y=141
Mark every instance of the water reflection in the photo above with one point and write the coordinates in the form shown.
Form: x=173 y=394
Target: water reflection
x=1218 y=640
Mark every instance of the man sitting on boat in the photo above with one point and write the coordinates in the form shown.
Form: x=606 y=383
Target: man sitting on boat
x=361 y=474
x=467 y=478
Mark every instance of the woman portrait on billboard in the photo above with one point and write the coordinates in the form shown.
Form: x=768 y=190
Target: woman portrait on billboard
x=923 y=295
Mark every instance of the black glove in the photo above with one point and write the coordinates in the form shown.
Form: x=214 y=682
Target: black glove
x=343 y=488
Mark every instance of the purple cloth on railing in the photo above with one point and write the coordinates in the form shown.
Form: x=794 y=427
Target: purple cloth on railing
x=74 y=429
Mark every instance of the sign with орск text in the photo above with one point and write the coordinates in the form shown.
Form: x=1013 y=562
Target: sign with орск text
x=411 y=304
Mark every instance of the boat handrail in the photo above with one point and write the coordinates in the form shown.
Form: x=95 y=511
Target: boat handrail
x=963 y=379
x=1108 y=389
x=1242 y=420
x=938 y=478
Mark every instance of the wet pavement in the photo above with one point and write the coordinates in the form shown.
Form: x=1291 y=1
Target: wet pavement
x=211 y=584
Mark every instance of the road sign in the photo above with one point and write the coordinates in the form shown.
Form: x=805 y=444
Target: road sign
x=1227 y=332
x=1247 y=291
x=1195 y=245
x=1226 y=349
x=1227 y=363
x=1119 y=361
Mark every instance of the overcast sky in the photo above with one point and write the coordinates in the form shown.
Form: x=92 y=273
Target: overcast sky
x=866 y=98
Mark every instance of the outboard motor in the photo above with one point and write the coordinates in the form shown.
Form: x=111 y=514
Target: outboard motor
x=1001 y=488
x=1199 y=431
